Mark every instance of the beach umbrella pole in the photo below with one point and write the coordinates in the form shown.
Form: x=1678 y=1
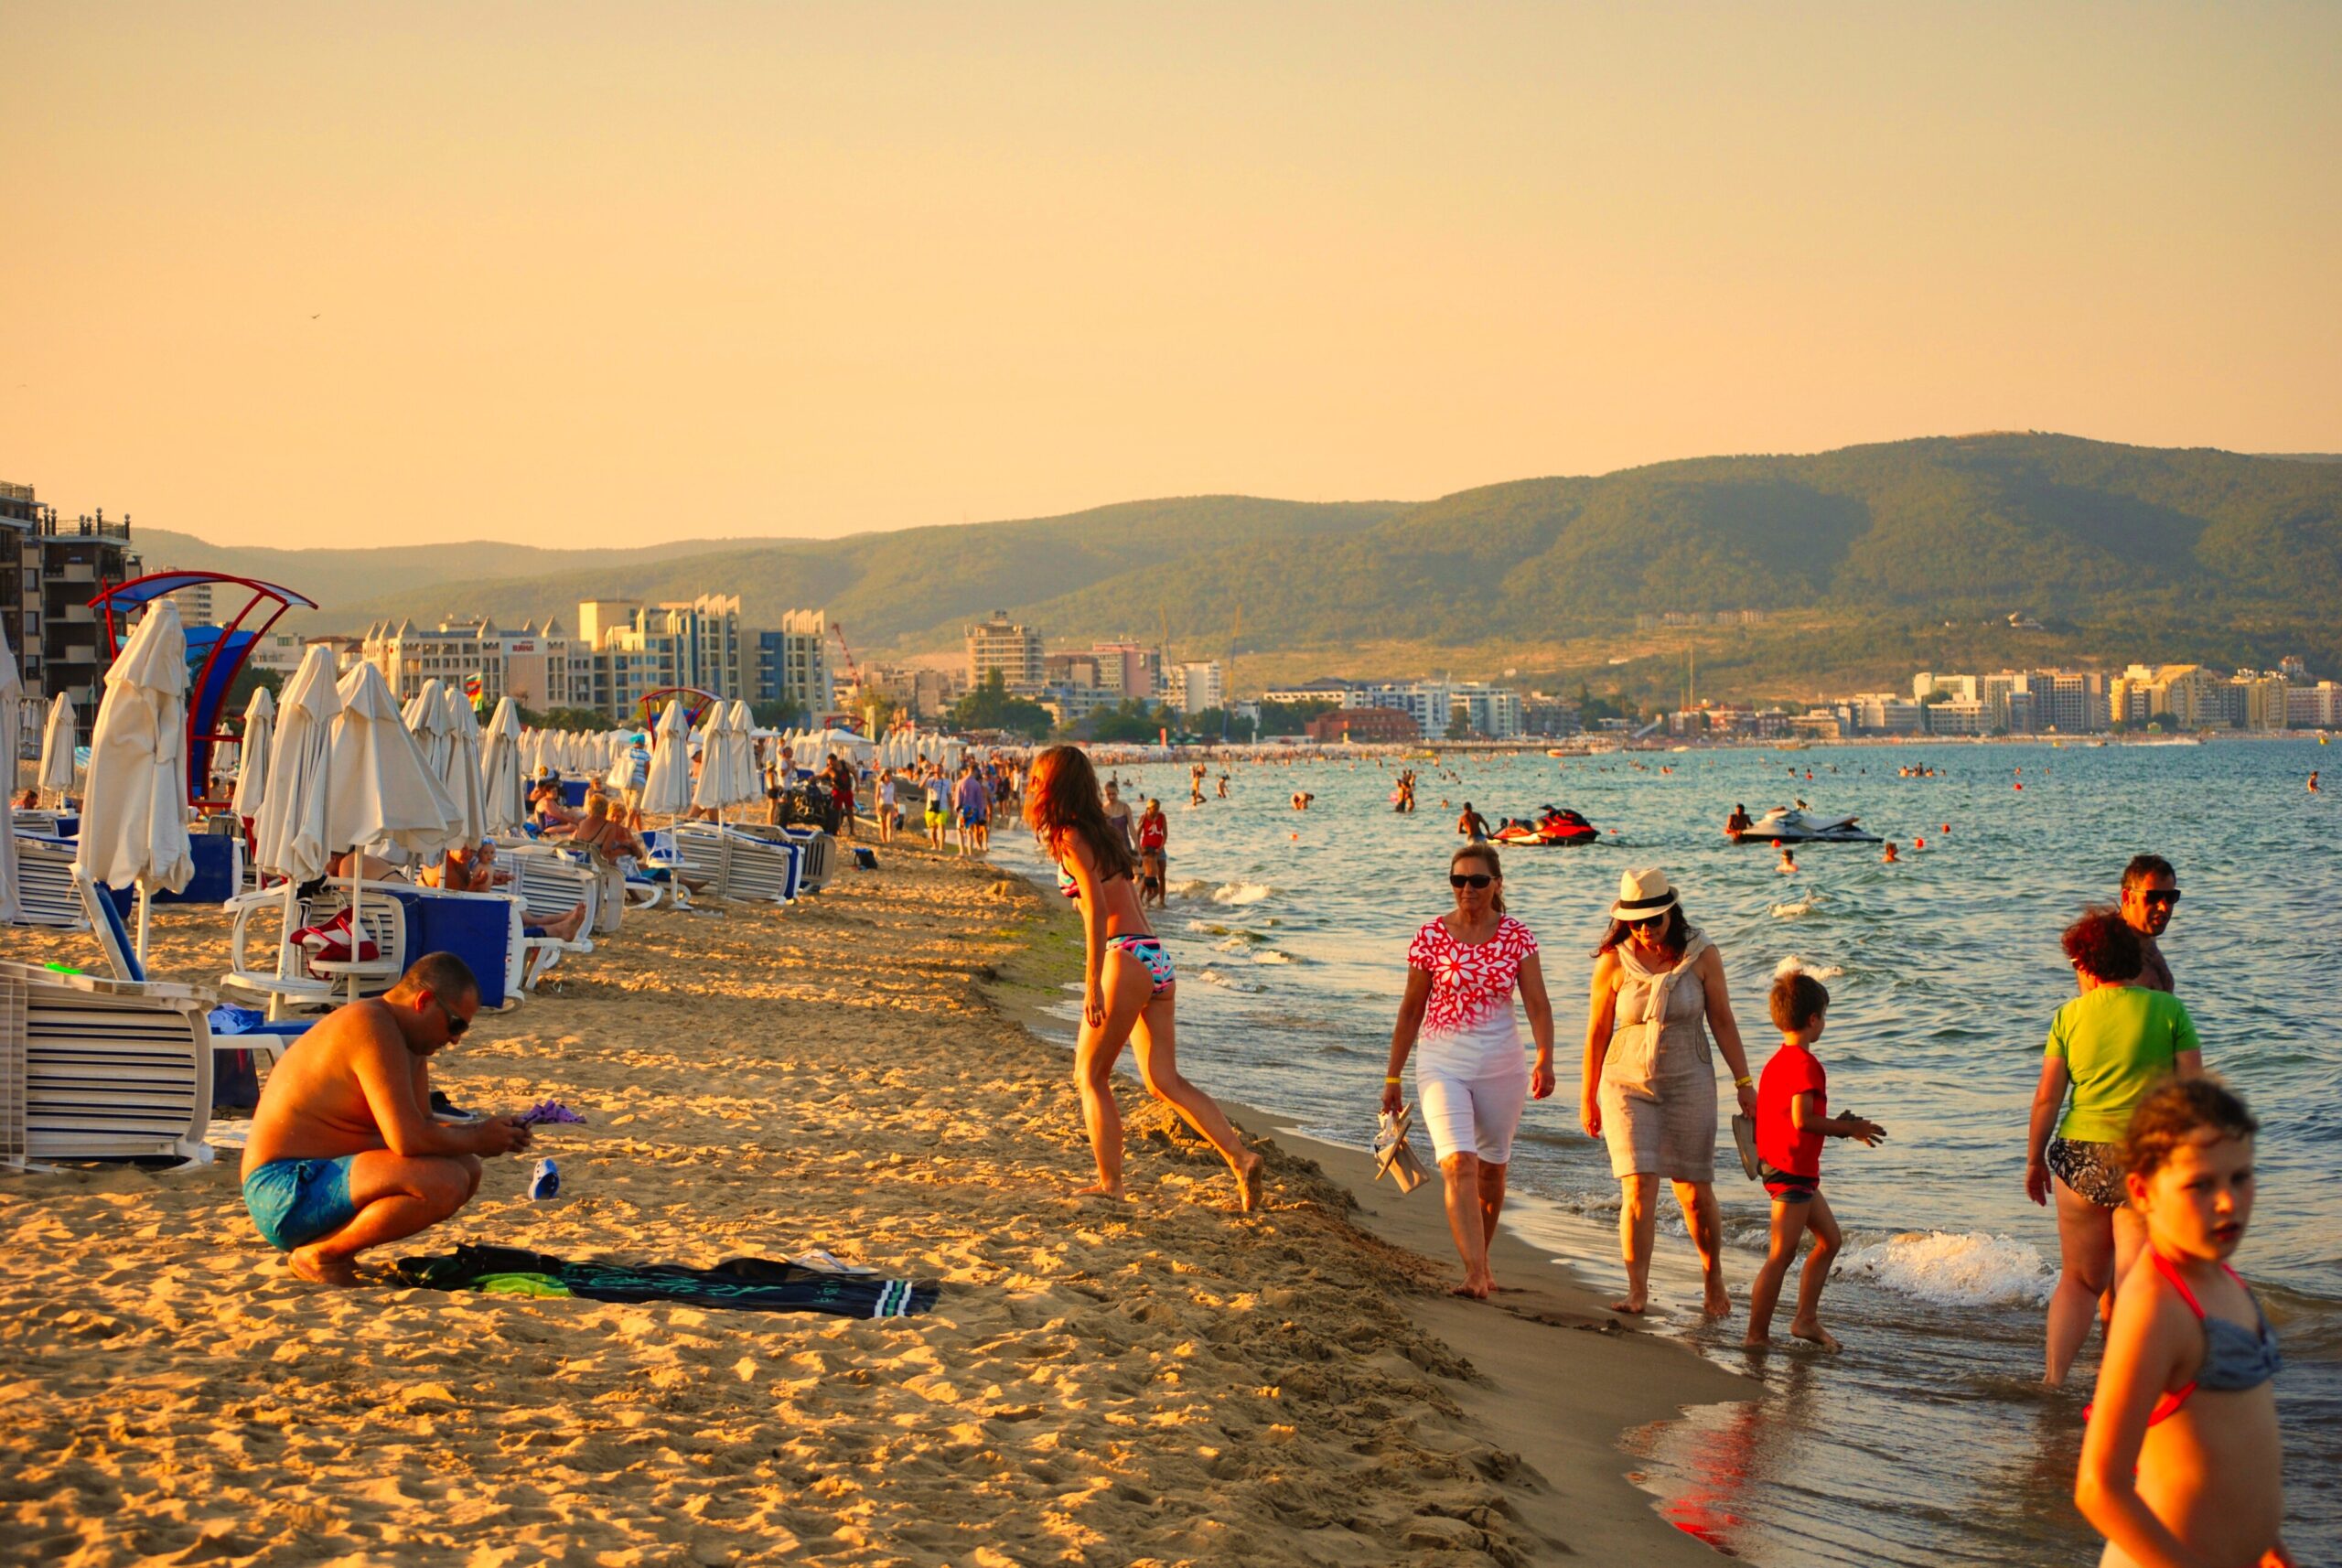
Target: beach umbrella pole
x=145 y=916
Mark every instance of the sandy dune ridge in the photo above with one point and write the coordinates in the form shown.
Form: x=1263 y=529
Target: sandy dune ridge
x=1163 y=1382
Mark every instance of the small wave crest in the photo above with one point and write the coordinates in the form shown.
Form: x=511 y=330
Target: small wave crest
x=1970 y=1269
x=1795 y=965
x=1241 y=892
x=1191 y=887
x=1795 y=910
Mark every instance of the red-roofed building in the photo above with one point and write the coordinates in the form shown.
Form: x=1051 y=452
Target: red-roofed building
x=1365 y=726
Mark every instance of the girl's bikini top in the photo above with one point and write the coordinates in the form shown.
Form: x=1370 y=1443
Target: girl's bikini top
x=2235 y=1357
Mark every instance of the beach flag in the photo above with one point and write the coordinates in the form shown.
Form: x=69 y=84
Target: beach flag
x=474 y=685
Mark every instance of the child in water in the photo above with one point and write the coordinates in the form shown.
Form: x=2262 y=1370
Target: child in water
x=1786 y=864
x=2182 y=1463
x=1792 y=1117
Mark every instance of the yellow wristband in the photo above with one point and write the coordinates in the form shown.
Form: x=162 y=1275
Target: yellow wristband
x=1389 y=1080
x=1743 y=1083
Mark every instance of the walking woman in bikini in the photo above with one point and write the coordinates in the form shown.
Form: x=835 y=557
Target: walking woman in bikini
x=1127 y=992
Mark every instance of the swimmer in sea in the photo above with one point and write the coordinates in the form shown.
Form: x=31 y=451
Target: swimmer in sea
x=1786 y=864
x=1301 y=799
x=2313 y=781
x=1891 y=857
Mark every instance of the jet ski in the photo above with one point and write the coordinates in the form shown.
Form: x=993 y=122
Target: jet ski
x=1552 y=826
x=1786 y=825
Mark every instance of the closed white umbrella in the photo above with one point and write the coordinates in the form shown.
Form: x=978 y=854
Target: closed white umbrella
x=430 y=719
x=289 y=830
x=251 y=754
x=379 y=787
x=501 y=769
x=57 y=750
x=744 y=783
x=722 y=769
x=459 y=773
x=667 y=793
x=12 y=715
x=133 y=810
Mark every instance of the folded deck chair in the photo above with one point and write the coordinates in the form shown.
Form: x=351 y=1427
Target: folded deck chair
x=251 y=1052
x=45 y=872
x=101 y=1070
x=740 y=863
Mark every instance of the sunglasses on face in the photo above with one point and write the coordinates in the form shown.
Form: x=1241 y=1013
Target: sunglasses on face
x=455 y=1026
x=2167 y=898
x=1475 y=880
x=1647 y=922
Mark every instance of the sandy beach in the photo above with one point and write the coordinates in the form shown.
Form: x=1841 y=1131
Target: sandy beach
x=1161 y=1382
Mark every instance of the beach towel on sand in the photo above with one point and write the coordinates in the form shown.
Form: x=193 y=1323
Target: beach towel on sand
x=748 y=1284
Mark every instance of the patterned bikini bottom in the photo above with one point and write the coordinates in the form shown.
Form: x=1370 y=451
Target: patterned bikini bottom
x=1148 y=952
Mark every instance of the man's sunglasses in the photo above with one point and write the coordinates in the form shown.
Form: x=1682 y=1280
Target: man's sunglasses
x=2170 y=895
x=455 y=1026
x=1476 y=879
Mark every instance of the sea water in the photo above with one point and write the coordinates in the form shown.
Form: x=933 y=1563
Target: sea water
x=1929 y=1440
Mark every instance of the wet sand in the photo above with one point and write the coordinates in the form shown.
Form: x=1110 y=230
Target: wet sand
x=1161 y=1382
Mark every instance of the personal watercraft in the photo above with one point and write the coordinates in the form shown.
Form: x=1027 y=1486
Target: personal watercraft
x=1552 y=825
x=1786 y=825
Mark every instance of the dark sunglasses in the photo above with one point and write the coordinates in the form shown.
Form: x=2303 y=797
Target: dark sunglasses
x=455 y=1026
x=1646 y=921
x=2170 y=896
x=1469 y=879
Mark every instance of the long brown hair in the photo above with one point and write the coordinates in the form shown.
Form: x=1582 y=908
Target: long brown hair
x=1062 y=800
x=1486 y=854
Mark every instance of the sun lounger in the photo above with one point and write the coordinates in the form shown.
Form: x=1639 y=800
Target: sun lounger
x=250 y=1053
x=549 y=886
x=740 y=864
x=45 y=873
x=100 y=1069
x=818 y=850
x=286 y=975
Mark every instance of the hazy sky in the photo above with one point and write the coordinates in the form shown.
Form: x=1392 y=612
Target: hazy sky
x=584 y=273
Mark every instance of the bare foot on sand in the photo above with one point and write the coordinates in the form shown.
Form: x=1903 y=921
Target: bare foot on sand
x=1753 y=1340
x=1718 y=1303
x=1099 y=1189
x=1634 y=1304
x=307 y=1264
x=1480 y=1288
x=1815 y=1335
x=1251 y=1184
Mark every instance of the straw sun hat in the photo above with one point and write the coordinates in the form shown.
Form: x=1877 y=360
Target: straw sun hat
x=1642 y=893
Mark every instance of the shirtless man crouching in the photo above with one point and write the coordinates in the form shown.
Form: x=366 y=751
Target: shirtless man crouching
x=344 y=1153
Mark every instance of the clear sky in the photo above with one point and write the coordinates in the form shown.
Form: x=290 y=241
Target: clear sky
x=580 y=274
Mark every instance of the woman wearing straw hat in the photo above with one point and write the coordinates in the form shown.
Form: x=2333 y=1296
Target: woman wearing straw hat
x=1650 y=1082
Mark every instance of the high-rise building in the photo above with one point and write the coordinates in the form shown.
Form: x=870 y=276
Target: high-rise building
x=1192 y=688
x=49 y=570
x=792 y=664
x=635 y=649
x=1491 y=713
x=1003 y=645
x=1127 y=670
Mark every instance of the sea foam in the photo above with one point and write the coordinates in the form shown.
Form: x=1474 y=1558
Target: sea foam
x=1795 y=965
x=1241 y=892
x=1973 y=1269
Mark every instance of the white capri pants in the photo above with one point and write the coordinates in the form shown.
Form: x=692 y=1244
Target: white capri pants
x=1472 y=1086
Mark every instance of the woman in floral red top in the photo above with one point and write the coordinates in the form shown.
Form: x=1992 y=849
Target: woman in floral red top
x=1457 y=1019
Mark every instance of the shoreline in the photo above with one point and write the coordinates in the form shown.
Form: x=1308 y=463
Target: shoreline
x=1166 y=1383
x=1544 y=1328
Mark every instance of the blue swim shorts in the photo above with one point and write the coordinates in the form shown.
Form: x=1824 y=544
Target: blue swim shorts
x=294 y=1202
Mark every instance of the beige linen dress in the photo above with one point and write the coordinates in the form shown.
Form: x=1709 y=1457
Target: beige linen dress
x=1657 y=1093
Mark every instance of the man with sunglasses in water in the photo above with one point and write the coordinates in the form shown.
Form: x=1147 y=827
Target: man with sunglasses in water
x=344 y=1153
x=2149 y=893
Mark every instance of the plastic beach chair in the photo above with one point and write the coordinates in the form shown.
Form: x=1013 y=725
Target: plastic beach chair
x=101 y=1070
x=45 y=873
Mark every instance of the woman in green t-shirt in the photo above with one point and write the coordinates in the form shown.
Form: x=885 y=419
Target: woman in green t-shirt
x=2109 y=1046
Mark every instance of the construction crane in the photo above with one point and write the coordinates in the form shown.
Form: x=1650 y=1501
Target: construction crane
x=853 y=669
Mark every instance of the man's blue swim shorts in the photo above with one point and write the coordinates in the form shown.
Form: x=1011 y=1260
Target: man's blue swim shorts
x=294 y=1202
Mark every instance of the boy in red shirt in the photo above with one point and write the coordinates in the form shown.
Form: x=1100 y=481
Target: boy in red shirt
x=1792 y=1117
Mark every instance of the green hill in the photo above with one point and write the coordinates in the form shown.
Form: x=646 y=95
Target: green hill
x=1868 y=560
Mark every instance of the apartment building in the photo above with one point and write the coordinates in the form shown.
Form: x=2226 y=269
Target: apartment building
x=1194 y=687
x=792 y=664
x=409 y=656
x=1009 y=646
x=49 y=570
x=633 y=650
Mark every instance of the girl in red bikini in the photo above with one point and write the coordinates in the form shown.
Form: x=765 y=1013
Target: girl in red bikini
x=1128 y=984
x=2182 y=1463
